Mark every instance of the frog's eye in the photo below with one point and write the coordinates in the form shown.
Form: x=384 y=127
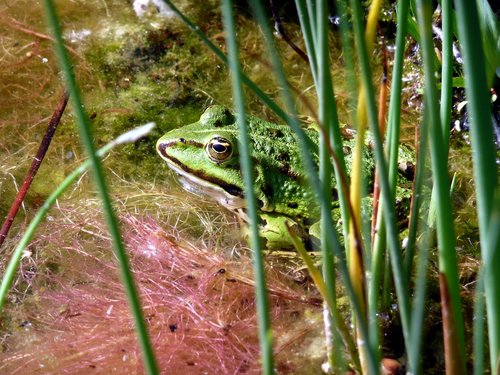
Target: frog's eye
x=219 y=149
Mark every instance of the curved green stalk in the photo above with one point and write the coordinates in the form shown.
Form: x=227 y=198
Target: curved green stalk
x=86 y=137
x=325 y=100
x=420 y=280
x=492 y=259
x=16 y=256
x=265 y=332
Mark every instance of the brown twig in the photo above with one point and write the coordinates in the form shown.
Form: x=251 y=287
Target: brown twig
x=282 y=34
x=25 y=29
x=15 y=24
x=37 y=161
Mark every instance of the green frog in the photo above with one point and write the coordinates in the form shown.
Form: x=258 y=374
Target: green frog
x=205 y=156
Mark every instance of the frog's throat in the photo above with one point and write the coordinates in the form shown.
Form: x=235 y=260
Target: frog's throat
x=227 y=195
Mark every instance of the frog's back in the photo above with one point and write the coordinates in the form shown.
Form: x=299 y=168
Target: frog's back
x=280 y=178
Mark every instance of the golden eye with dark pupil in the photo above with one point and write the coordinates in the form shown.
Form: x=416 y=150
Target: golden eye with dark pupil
x=219 y=149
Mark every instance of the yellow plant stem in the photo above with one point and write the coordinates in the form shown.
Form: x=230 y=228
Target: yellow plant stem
x=355 y=257
x=356 y=268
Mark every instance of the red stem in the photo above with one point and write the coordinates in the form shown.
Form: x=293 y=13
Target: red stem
x=37 y=161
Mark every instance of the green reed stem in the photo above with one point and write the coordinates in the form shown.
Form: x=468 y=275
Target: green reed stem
x=332 y=242
x=425 y=244
x=16 y=256
x=347 y=54
x=305 y=26
x=311 y=10
x=492 y=258
x=446 y=69
x=98 y=174
x=328 y=114
x=445 y=228
x=386 y=194
x=419 y=301
x=483 y=157
x=265 y=332
x=394 y=122
x=478 y=328
x=329 y=120
x=326 y=93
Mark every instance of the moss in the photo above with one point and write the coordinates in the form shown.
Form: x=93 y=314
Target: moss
x=145 y=73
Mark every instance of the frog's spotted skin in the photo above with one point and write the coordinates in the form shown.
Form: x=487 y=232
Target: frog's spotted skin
x=205 y=155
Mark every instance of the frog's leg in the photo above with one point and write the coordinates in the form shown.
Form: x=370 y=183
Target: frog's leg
x=274 y=232
x=315 y=230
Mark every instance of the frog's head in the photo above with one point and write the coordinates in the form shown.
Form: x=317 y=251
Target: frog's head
x=205 y=155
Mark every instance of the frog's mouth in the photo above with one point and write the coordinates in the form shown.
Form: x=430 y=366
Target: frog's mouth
x=227 y=195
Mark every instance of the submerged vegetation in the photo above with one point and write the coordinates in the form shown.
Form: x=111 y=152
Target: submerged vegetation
x=67 y=310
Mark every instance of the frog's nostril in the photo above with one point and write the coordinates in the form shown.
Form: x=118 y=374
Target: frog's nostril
x=182 y=140
x=161 y=148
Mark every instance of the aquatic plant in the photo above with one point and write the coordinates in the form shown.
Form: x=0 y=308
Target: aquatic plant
x=174 y=287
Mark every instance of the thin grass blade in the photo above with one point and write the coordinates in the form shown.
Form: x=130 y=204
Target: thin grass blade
x=98 y=175
x=265 y=333
x=453 y=325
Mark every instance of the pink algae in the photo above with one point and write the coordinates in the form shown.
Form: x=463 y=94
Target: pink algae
x=199 y=308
